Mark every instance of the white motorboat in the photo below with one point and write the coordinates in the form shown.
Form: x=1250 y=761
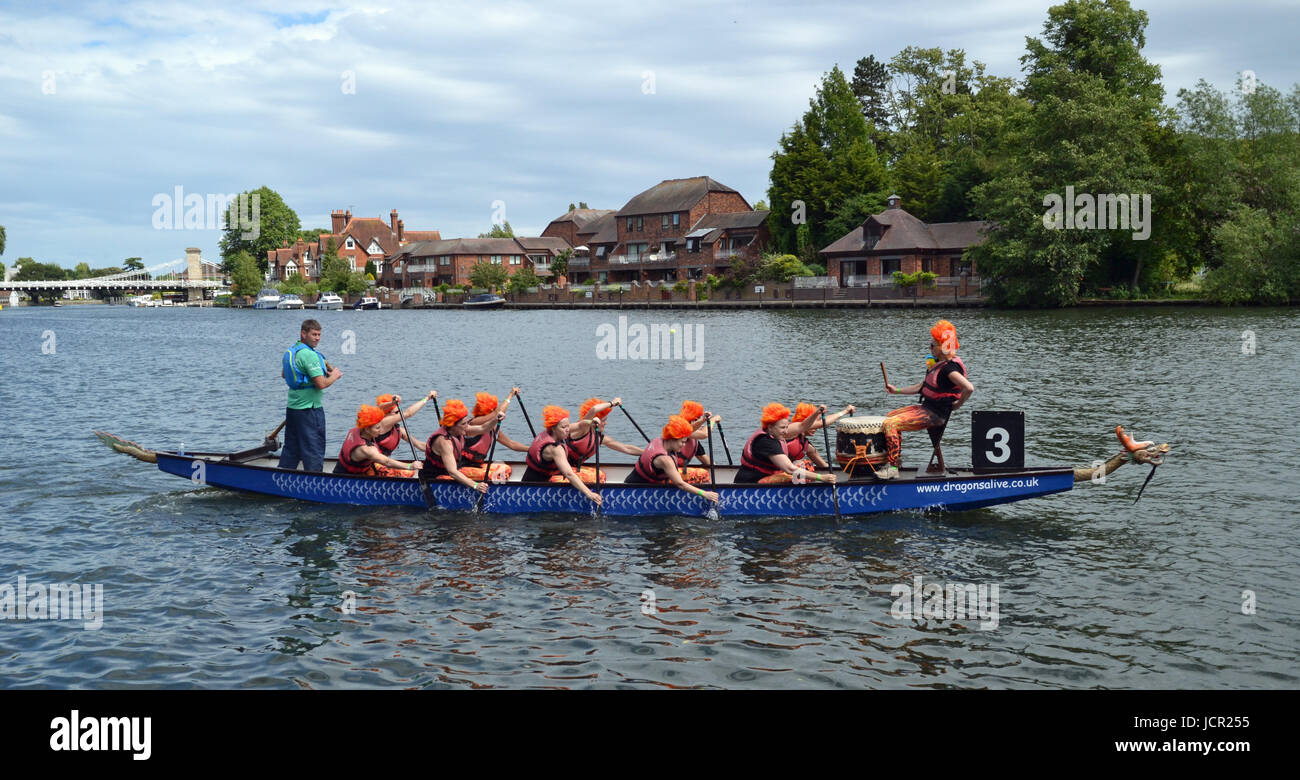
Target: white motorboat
x=366 y=303
x=329 y=302
x=289 y=301
x=268 y=298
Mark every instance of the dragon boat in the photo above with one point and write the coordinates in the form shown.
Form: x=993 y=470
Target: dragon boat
x=858 y=492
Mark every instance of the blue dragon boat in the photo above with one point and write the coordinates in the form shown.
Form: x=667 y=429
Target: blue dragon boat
x=952 y=489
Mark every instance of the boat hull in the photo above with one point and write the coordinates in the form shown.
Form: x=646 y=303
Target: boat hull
x=966 y=491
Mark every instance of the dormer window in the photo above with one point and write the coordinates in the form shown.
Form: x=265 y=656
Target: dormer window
x=350 y=244
x=374 y=248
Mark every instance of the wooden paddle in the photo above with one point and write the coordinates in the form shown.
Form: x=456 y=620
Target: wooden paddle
x=524 y=409
x=725 y=448
x=269 y=442
x=638 y=427
x=883 y=371
x=835 y=488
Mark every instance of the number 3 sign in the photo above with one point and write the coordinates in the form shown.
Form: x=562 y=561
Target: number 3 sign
x=997 y=440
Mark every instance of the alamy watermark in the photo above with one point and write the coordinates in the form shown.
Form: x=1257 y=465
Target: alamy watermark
x=658 y=341
x=1103 y=211
x=923 y=601
x=178 y=211
x=56 y=601
x=77 y=732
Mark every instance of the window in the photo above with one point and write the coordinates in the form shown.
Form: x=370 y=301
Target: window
x=664 y=224
x=496 y=259
x=634 y=252
x=926 y=264
x=600 y=251
x=290 y=269
x=692 y=245
x=888 y=265
x=516 y=260
x=640 y=224
x=964 y=266
x=350 y=244
x=629 y=224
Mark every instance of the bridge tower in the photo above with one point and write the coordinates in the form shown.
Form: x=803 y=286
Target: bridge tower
x=193 y=272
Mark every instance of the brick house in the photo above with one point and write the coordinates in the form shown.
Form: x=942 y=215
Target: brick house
x=357 y=240
x=677 y=229
x=894 y=240
x=448 y=261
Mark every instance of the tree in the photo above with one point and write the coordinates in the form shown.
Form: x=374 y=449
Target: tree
x=760 y=205
x=370 y=269
x=294 y=284
x=870 y=87
x=560 y=263
x=82 y=271
x=824 y=159
x=310 y=235
x=2 y=239
x=276 y=223
x=499 y=231
x=1095 y=111
x=133 y=264
x=522 y=280
x=31 y=271
x=334 y=270
x=245 y=277
x=582 y=204
x=356 y=284
x=488 y=275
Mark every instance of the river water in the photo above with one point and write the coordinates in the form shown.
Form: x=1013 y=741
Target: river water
x=1195 y=586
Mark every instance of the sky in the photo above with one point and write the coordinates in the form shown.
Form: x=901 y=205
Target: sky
x=455 y=113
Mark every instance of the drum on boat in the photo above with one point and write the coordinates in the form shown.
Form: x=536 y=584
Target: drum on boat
x=860 y=440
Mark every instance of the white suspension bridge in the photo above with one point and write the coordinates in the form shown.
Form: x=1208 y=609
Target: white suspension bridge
x=141 y=279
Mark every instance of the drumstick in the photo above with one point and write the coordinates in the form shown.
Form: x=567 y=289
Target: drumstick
x=883 y=371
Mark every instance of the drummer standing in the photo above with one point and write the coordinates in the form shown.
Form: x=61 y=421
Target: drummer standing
x=305 y=371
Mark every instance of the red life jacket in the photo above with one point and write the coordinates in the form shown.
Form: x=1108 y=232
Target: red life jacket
x=796 y=448
x=761 y=466
x=579 y=450
x=645 y=464
x=939 y=399
x=354 y=439
x=433 y=465
x=534 y=457
x=689 y=450
x=389 y=441
x=476 y=448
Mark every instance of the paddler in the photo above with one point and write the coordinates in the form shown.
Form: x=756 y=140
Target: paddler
x=693 y=413
x=443 y=450
x=944 y=389
x=587 y=434
x=657 y=465
x=305 y=371
x=360 y=453
x=477 y=447
x=806 y=419
x=392 y=430
x=547 y=457
x=765 y=458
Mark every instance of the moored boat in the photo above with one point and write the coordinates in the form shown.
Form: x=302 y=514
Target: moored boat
x=255 y=471
x=366 y=303
x=329 y=302
x=289 y=301
x=268 y=298
x=484 y=301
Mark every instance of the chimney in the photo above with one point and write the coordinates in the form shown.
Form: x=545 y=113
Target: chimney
x=392 y=221
x=893 y=201
x=347 y=217
x=401 y=230
x=336 y=222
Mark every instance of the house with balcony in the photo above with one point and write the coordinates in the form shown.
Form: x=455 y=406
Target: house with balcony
x=448 y=261
x=357 y=240
x=894 y=240
x=677 y=229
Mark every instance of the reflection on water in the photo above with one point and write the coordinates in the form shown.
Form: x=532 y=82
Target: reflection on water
x=207 y=588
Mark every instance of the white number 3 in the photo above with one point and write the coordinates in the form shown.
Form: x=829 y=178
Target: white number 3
x=1000 y=438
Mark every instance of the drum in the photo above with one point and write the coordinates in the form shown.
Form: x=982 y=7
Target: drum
x=858 y=439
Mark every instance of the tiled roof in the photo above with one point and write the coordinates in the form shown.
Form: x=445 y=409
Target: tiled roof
x=581 y=217
x=901 y=232
x=672 y=195
x=463 y=246
x=552 y=244
x=603 y=230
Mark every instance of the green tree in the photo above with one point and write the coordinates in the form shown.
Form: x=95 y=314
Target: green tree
x=245 y=277
x=311 y=235
x=488 y=275
x=825 y=159
x=371 y=271
x=560 y=263
x=356 y=284
x=2 y=239
x=871 y=87
x=334 y=270
x=277 y=223
x=81 y=271
x=31 y=271
x=1094 y=114
x=133 y=264
x=522 y=280
x=294 y=284
x=499 y=231
x=760 y=205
